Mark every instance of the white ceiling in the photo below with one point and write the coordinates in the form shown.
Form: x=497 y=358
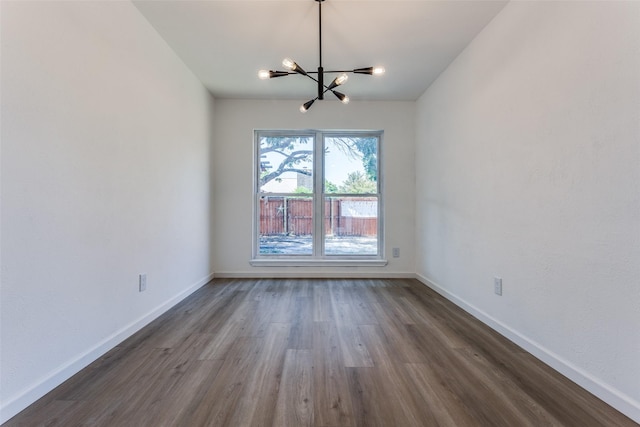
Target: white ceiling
x=226 y=42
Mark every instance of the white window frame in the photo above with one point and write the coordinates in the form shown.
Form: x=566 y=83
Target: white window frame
x=317 y=257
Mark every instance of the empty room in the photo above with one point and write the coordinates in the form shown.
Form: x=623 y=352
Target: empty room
x=319 y=213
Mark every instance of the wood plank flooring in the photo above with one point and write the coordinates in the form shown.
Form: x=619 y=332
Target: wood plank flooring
x=325 y=353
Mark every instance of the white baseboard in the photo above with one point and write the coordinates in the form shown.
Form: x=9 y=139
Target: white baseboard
x=313 y=275
x=613 y=397
x=53 y=379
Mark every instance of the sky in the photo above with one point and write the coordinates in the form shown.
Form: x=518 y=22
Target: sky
x=337 y=164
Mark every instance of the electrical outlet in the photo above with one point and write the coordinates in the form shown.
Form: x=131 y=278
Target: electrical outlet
x=396 y=252
x=142 y=283
x=497 y=285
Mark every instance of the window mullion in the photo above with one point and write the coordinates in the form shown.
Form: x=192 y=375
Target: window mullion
x=318 y=214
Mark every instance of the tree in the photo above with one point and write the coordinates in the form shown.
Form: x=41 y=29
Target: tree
x=369 y=149
x=330 y=187
x=293 y=158
x=357 y=182
x=297 y=158
x=364 y=149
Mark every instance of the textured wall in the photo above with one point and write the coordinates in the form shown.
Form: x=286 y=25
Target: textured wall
x=105 y=175
x=529 y=169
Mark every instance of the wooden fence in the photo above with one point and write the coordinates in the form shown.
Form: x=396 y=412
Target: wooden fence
x=343 y=217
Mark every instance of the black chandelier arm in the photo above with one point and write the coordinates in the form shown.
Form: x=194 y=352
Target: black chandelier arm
x=313 y=78
x=355 y=71
x=279 y=73
x=307 y=74
x=346 y=71
x=322 y=88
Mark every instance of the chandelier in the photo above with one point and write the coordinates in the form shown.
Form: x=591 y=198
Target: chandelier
x=293 y=68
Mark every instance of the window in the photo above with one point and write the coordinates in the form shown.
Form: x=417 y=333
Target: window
x=317 y=197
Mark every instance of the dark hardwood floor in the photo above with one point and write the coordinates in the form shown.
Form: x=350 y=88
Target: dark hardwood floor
x=317 y=353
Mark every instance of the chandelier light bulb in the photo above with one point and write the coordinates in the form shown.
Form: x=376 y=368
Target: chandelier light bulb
x=264 y=74
x=341 y=96
x=338 y=81
x=304 y=107
x=289 y=64
x=341 y=79
x=378 y=71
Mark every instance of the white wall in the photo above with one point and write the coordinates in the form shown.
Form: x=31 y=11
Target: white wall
x=105 y=175
x=528 y=154
x=235 y=121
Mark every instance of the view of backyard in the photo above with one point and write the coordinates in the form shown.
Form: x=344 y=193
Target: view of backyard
x=292 y=205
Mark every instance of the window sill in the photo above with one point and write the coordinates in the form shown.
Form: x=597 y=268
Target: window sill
x=289 y=262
